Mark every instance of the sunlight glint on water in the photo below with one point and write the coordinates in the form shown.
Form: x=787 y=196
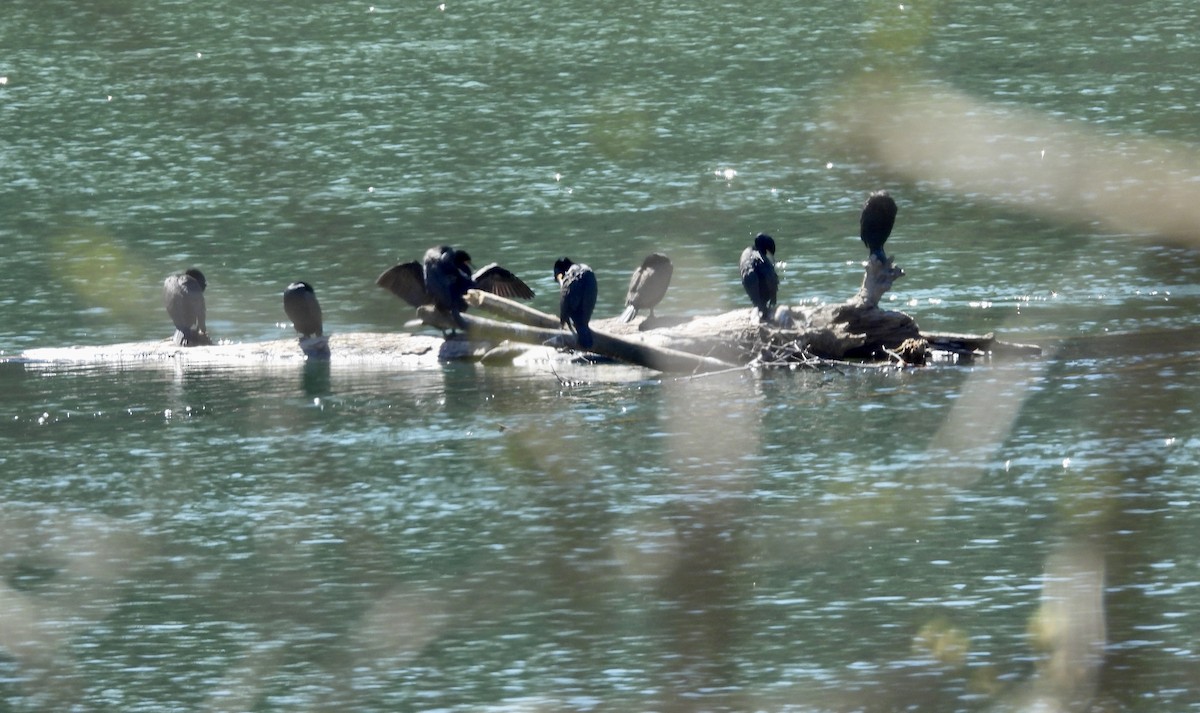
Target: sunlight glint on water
x=280 y=537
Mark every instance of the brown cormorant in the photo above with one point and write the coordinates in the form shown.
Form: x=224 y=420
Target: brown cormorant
x=183 y=295
x=648 y=285
x=758 y=275
x=576 y=297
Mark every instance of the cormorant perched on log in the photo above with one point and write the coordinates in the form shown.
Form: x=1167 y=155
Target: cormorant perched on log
x=875 y=223
x=576 y=297
x=648 y=285
x=758 y=275
x=443 y=278
x=183 y=294
x=301 y=305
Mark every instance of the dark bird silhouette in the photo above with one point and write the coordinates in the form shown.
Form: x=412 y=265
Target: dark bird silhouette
x=447 y=275
x=576 y=297
x=301 y=305
x=443 y=277
x=875 y=223
x=648 y=285
x=183 y=295
x=758 y=275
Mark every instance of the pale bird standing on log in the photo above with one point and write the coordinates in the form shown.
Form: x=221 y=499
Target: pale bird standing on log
x=183 y=295
x=648 y=285
x=758 y=275
x=876 y=221
x=443 y=277
x=576 y=297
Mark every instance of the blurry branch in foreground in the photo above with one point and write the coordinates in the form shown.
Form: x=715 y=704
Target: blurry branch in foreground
x=934 y=134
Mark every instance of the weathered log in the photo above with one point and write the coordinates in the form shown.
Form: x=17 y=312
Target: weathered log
x=512 y=310
x=366 y=348
x=855 y=329
x=423 y=350
x=837 y=331
x=877 y=279
x=808 y=335
x=541 y=328
x=973 y=345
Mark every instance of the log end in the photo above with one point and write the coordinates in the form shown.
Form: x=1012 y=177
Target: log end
x=877 y=280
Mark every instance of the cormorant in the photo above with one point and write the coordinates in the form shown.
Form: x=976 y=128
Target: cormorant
x=183 y=295
x=300 y=304
x=758 y=274
x=875 y=223
x=576 y=297
x=443 y=277
x=648 y=285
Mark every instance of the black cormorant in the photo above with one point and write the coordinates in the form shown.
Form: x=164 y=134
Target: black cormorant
x=758 y=274
x=576 y=297
x=443 y=277
x=183 y=294
x=875 y=223
x=301 y=305
x=648 y=285
x=447 y=276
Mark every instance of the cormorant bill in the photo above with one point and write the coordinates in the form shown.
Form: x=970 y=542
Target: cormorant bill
x=875 y=223
x=301 y=305
x=576 y=297
x=648 y=285
x=183 y=295
x=758 y=275
x=443 y=277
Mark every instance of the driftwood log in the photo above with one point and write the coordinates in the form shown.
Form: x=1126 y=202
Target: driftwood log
x=373 y=349
x=536 y=327
x=855 y=329
x=819 y=335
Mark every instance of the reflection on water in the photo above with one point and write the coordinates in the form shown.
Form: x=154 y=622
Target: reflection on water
x=318 y=536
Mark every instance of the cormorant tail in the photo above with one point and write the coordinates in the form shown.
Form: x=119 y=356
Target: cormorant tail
x=189 y=337
x=629 y=313
x=584 y=333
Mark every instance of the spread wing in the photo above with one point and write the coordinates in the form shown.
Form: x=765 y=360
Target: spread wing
x=406 y=281
x=500 y=281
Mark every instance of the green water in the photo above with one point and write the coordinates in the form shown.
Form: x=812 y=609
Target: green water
x=341 y=537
